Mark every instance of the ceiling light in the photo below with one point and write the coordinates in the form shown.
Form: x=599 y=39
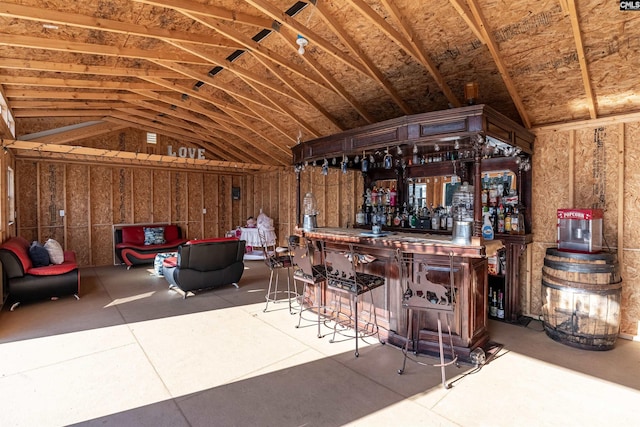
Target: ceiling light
x=302 y=42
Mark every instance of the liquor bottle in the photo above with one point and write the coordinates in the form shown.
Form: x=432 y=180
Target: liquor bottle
x=500 y=311
x=507 y=220
x=392 y=196
x=520 y=221
x=515 y=226
x=360 y=217
x=501 y=219
x=489 y=298
x=374 y=196
x=493 y=310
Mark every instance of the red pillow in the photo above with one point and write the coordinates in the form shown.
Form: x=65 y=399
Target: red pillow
x=171 y=233
x=133 y=235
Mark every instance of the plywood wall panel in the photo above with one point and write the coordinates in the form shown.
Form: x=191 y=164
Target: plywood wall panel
x=551 y=183
x=122 y=187
x=161 y=195
x=100 y=187
x=632 y=186
x=238 y=206
x=142 y=195
x=630 y=312
x=210 y=197
x=195 y=201
x=79 y=241
x=51 y=194
x=180 y=197
x=225 y=214
x=102 y=252
x=26 y=177
x=77 y=203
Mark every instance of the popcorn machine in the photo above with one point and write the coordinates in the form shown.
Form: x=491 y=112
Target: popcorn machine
x=580 y=230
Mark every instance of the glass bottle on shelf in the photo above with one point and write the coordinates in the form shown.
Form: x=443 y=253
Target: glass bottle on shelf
x=500 y=310
x=360 y=217
x=493 y=309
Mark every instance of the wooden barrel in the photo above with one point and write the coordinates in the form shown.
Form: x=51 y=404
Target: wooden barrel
x=581 y=298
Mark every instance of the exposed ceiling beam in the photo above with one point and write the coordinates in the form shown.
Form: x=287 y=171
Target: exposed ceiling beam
x=97 y=49
x=411 y=46
x=466 y=14
x=67 y=134
x=30 y=93
x=37 y=147
x=584 y=69
x=90 y=70
x=248 y=140
x=74 y=83
x=81 y=105
x=232 y=16
x=497 y=58
x=368 y=63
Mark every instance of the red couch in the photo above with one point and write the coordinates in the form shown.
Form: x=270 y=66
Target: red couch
x=131 y=250
x=27 y=283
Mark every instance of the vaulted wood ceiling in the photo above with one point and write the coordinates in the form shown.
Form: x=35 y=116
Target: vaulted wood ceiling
x=227 y=76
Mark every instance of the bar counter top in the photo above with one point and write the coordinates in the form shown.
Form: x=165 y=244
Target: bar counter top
x=428 y=244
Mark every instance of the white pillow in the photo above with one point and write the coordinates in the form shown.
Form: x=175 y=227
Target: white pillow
x=56 y=254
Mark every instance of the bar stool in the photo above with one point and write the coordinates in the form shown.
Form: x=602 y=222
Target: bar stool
x=312 y=278
x=343 y=277
x=423 y=295
x=277 y=261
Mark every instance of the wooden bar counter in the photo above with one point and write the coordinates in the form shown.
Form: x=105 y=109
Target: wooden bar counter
x=436 y=253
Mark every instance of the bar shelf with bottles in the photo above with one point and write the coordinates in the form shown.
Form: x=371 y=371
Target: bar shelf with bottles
x=412 y=167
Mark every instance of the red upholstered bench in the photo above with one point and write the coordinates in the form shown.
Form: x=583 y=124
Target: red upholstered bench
x=27 y=283
x=130 y=244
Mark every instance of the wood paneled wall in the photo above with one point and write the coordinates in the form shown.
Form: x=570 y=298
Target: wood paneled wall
x=95 y=197
x=591 y=166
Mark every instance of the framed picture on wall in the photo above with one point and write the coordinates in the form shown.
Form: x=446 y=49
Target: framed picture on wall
x=235 y=193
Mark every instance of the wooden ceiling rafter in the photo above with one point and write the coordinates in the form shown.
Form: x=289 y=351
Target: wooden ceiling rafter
x=99 y=24
x=353 y=47
x=467 y=16
x=75 y=68
x=264 y=96
x=256 y=48
x=210 y=11
x=285 y=20
x=228 y=118
x=232 y=129
x=82 y=105
x=492 y=45
x=242 y=98
x=96 y=49
x=36 y=148
x=584 y=68
x=208 y=131
x=310 y=100
x=17 y=93
x=410 y=46
x=138 y=120
x=74 y=83
x=212 y=151
x=38 y=112
x=71 y=135
x=267 y=56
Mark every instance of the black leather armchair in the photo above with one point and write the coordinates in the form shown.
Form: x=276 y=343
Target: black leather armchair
x=205 y=264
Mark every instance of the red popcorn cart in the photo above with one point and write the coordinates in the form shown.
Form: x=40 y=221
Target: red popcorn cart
x=580 y=230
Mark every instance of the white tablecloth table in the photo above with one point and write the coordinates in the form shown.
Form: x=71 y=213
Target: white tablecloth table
x=251 y=236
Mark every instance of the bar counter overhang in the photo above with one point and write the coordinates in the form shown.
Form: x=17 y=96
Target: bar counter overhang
x=469 y=320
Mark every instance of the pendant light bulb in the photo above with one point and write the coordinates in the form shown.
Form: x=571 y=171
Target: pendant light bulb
x=302 y=42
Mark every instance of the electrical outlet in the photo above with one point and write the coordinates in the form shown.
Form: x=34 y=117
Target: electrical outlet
x=204 y=210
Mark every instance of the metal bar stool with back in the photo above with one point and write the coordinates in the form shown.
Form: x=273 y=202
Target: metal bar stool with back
x=277 y=262
x=426 y=296
x=343 y=278
x=312 y=275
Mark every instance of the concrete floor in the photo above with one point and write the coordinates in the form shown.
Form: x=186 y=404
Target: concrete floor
x=133 y=353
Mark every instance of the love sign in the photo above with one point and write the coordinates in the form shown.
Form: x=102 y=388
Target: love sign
x=185 y=152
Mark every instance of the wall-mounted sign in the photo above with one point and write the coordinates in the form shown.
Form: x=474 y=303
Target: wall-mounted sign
x=191 y=152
